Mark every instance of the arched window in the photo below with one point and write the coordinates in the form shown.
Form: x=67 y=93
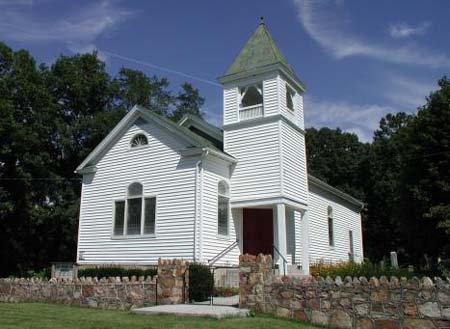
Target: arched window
x=135 y=189
x=136 y=215
x=330 y=226
x=134 y=209
x=138 y=140
x=223 y=198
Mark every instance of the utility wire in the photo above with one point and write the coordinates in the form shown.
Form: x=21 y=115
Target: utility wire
x=161 y=68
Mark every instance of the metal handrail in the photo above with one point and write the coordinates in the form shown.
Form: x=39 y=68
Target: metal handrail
x=282 y=257
x=223 y=253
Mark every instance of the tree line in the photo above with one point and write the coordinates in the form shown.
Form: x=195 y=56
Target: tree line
x=403 y=176
x=52 y=116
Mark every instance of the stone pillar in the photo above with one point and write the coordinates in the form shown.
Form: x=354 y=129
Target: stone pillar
x=254 y=273
x=280 y=237
x=172 y=281
x=305 y=243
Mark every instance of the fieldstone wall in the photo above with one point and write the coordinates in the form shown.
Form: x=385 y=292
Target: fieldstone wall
x=349 y=303
x=172 y=281
x=111 y=293
x=168 y=287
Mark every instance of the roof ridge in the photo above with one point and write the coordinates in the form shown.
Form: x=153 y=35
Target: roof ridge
x=200 y=140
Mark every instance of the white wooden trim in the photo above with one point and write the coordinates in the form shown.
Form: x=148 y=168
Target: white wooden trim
x=305 y=242
x=271 y=201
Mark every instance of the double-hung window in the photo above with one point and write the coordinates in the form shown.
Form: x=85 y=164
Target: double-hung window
x=136 y=215
x=223 y=210
x=330 y=227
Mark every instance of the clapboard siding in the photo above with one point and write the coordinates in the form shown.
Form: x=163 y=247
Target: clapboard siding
x=164 y=174
x=257 y=173
x=301 y=114
x=270 y=96
x=216 y=170
x=230 y=105
x=345 y=218
x=294 y=172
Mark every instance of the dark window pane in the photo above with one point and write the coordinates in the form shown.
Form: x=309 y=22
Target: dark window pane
x=223 y=216
x=150 y=210
x=330 y=231
x=134 y=216
x=135 y=189
x=119 y=214
x=352 y=251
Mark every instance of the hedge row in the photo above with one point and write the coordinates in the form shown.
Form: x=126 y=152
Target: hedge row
x=114 y=271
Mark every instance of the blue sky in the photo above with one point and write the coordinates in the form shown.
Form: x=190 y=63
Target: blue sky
x=359 y=59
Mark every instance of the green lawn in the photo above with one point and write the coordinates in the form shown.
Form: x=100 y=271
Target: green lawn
x=48 y=316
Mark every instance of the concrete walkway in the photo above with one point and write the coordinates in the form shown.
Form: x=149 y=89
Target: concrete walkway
x=211 y=311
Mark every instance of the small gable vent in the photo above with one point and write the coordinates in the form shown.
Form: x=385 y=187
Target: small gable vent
x=138 y=140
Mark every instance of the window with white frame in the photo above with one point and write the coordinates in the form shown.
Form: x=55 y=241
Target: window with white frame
x=290 y=98
x=136 y=215
x=139 y=140
x=351 y=253
x=251 y=95
x=330 y=226
x=223 y=208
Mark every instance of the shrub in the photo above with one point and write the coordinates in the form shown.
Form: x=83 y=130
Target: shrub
x=225 y=291
x=444 y=268
x=113 y=271
x=201 y=282
x=366 y=269
x=45 y=273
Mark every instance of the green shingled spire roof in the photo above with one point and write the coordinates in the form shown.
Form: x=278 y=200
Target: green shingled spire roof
x=259 y=52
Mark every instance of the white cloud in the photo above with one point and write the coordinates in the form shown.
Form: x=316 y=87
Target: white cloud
x=322 y=23
x=90 y=48
x=359 y=119
x=405 y=92
x=77 y=29
x=401 y=93
x=403 y=30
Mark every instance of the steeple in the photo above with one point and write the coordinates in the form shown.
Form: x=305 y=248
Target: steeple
x=259 y=55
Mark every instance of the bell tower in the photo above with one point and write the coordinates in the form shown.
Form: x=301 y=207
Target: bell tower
x=264 y=127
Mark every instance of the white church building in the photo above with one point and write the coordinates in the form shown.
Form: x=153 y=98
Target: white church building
x=154 y=188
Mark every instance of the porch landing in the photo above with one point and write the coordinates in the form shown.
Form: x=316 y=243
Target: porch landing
x=211 y=311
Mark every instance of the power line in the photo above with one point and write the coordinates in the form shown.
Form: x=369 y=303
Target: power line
x=162 y=68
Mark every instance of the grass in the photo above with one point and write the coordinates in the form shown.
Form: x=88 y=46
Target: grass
x=52 y=316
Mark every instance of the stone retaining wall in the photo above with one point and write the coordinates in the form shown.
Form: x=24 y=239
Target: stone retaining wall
x=349 y=303
x=112 y=293
x=168 y=287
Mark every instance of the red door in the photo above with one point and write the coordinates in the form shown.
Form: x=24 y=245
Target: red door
x=258 y=231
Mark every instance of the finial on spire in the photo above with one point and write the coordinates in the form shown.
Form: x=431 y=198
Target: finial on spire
x=261 y=20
